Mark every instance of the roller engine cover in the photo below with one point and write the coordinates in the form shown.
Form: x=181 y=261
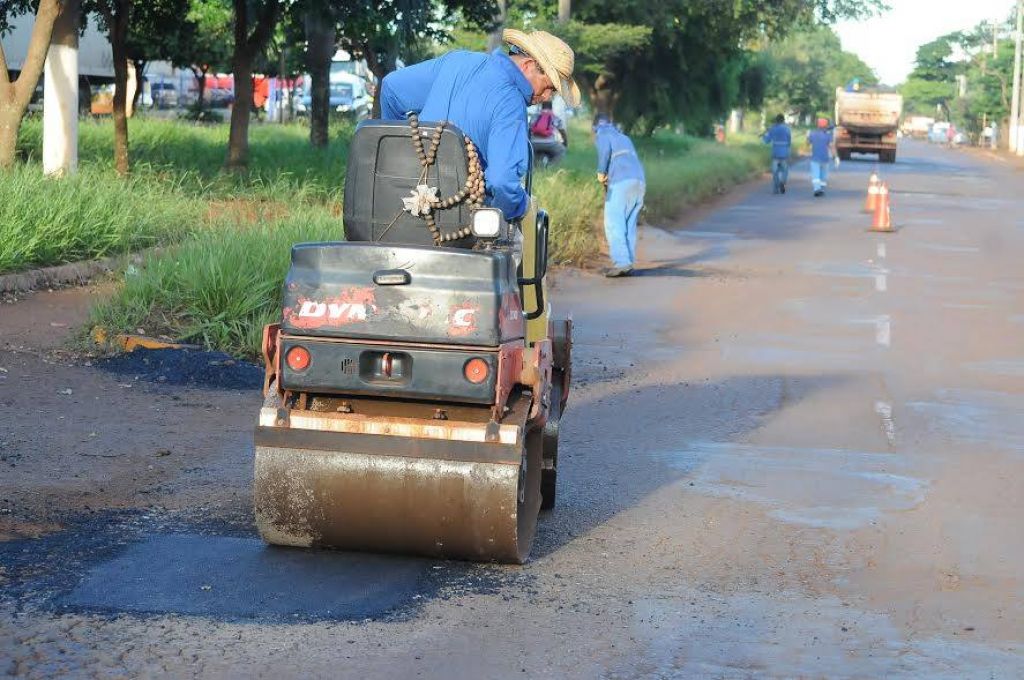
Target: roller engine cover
x=449 y=296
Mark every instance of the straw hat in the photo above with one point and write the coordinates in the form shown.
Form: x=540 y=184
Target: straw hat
x=556 y=59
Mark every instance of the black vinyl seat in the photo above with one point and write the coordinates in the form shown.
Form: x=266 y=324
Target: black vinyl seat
x=383 y=168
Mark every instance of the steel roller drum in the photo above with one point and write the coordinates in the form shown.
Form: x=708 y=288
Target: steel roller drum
x=434 y=497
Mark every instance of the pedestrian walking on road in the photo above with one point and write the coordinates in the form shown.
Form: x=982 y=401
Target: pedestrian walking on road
x=620 y=171
x=822 y=151
x=780 y=137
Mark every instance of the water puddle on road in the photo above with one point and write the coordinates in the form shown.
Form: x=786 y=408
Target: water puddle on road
x=826 y=488
x=978 y=416
x=764 y=632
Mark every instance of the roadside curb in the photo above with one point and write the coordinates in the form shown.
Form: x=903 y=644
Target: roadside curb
x=64 y=274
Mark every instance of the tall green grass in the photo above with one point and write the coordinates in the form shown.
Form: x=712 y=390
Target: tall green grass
x=46 y=221
x=218 y=288
x=229 y=235
x=282 y=163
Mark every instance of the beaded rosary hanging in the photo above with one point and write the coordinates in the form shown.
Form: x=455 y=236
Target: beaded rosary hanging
x=424 y=201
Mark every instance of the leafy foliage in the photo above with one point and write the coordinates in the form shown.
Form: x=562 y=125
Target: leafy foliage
x=806 y=67
x=969 y=57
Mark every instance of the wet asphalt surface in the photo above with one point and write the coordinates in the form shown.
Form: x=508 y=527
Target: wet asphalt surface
x=793 y=449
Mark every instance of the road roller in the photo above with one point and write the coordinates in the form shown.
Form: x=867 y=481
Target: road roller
x=417 y=376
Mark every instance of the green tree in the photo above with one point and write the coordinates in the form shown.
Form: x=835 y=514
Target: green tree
x=697 y=63
x=203 y=42
x=931 y=86
x=806 y=67
x=383 y=31
x=16 y=94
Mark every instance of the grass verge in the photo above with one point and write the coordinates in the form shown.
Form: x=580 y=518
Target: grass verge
x=219 y=282
x=218 y=288
x=93 y=214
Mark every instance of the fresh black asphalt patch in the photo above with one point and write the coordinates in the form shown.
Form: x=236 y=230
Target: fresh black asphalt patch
x=243 y=578
x=150 y=564
x=192 y=368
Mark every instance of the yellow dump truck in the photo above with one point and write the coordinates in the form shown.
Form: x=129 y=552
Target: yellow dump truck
x=866 y=122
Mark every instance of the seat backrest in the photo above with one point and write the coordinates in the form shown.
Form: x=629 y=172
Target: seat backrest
x=383 y=168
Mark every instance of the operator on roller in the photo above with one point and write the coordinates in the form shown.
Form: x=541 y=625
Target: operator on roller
x=486 y=96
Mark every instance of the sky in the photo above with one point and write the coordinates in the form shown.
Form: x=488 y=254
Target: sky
x=889 y=42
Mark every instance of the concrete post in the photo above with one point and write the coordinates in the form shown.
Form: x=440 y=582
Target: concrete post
x=1015 y=100
x=60 y=95
x=130 y=88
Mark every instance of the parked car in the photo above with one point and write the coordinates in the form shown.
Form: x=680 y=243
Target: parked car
x=164 y=95
x=219 y=97
x=348 y=97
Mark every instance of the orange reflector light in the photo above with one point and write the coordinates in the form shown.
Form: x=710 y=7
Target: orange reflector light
x=298 y=358
x=476 y=371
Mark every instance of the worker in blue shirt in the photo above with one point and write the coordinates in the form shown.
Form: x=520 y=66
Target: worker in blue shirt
x=821 y=155
x=780 y=137
x=486 y=95
x=620 y=171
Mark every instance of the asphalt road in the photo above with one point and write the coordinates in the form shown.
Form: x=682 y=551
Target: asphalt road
x=794 y=449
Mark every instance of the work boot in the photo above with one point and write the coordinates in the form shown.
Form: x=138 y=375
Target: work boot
x=782 y=187
x=616 y=272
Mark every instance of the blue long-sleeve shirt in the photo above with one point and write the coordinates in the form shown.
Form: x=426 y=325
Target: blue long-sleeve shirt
x=616 y=155
x=821 y=145
x=486 y=96
x=780 y=138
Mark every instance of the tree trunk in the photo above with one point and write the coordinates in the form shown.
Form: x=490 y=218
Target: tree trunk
x=15 y=96
x=380 y=65
x=10 y=121
x=118 y=36
x=603 y=96
x=199 y=73
x=140 y=68
x=564 y=10
x=320 y=39
x=201 y=102
x=241 y=109
x=246 y=48
x=494 y=37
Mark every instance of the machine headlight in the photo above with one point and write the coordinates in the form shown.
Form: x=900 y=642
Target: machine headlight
x=344 y=108
x=486 y=223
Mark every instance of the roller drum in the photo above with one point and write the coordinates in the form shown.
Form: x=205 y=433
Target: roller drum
x=474 y=501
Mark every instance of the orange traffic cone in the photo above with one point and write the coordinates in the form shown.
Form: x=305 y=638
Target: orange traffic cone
x=882 y=220
x=872 y=198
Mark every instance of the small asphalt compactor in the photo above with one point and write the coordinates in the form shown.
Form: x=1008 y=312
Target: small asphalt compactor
x=415 y=382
